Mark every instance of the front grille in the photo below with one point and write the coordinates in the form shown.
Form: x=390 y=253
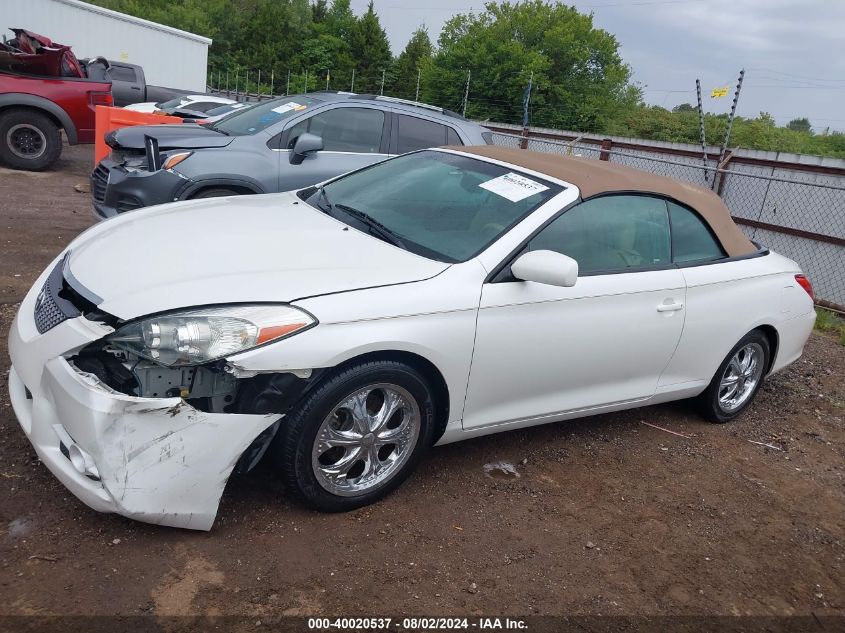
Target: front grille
x=99 y=181
x=48 y=314
x=50 y=308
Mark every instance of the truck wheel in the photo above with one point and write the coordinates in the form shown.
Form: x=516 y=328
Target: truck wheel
x=28 y=139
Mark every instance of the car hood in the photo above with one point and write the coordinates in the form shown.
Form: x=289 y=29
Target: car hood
x=168 y=137
x=147 y=106
x=270 y=248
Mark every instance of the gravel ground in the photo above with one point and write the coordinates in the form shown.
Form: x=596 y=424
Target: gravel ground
x=606 y=516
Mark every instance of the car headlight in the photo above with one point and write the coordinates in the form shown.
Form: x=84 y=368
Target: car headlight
x=174 y=159
x=200 y=335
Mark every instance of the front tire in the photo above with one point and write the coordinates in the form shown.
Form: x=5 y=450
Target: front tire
x=737 y=380
x=215 y=192
x=29 y=140
x=357 y=436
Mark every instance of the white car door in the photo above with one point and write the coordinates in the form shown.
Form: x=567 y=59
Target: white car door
x=543 y=351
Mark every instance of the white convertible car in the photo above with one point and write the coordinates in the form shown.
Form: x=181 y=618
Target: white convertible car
x=345 y=329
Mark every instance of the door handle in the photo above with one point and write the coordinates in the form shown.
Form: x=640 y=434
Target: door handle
x=670 y=307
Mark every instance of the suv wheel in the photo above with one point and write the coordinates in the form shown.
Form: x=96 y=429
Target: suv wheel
x=215 y=192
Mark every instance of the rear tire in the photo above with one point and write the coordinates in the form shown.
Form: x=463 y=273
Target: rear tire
x=737 y=380
x=29 y=139
x=215 y=192
x=357 y=436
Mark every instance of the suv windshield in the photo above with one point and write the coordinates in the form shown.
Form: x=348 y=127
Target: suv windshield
x=262 y=115
x=442 y=206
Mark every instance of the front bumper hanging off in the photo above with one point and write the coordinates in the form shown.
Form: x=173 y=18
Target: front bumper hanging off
x=157 y=460
x=114 y=190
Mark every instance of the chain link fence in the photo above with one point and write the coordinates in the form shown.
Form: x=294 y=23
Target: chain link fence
x=799 y=214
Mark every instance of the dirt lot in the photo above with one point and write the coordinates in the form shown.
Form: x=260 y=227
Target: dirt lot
x=607 y=516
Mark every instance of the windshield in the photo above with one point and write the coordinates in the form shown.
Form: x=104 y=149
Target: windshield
x=442 y=206
x=229 y=107
x=173 y=103
x=262 y=115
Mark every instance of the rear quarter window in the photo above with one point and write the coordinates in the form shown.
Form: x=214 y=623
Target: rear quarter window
x=122 y=73
x=416 y=133
x=692 y=239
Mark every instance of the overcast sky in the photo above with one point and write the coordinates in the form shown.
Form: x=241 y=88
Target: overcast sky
x=793 y=51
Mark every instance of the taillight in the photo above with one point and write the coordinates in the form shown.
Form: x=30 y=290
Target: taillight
x=806 y=285
x=100 y=98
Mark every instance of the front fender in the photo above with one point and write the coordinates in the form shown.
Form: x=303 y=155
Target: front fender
x=193 y=186
x=40 y=103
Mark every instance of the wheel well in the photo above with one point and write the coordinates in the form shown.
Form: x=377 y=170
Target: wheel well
x=771 y=335
x=240 y=189
x=46 y=113
x=427 y=369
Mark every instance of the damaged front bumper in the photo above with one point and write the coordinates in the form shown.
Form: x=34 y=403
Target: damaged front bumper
x=116 y=190
x=157 y=460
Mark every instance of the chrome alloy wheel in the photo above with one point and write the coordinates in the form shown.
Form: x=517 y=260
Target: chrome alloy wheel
x=366 y=440
x=741 y=377
x=26 y=141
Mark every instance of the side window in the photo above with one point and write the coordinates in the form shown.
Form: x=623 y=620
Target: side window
x=691 y=238
x=296 y=130
x=610 y=234
x=417 y=134
x=344 y=129
x=122 y=73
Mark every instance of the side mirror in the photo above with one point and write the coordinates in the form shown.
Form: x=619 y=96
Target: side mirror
x=546 y=267
x=305 y=144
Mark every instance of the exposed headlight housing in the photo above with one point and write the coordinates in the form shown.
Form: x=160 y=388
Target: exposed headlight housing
x=201 y=335
x=174 y=159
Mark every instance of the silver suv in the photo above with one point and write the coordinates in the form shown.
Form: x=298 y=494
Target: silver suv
x=277 y=145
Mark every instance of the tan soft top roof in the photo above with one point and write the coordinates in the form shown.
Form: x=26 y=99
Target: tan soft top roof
x=594 y=177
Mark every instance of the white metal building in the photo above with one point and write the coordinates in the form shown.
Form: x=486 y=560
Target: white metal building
x=169 y=57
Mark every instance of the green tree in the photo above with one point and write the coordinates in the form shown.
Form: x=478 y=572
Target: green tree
x=327 y=51
x=271 y=35
x=319 y=11
x=685 y=107
x=371 y=51
x=417 y=53
x=579 y=79
x=326 y=55
x=340 y=19
x=800 y=125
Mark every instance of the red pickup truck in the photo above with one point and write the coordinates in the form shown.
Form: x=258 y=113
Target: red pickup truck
x=34 y=109
x=44 y=89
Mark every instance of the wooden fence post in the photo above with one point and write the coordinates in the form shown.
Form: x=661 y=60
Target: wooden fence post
x=721 y=168
x=606 y=144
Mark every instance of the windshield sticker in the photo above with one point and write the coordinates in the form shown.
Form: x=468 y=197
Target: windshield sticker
x=513 y=187
x=287 y=107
